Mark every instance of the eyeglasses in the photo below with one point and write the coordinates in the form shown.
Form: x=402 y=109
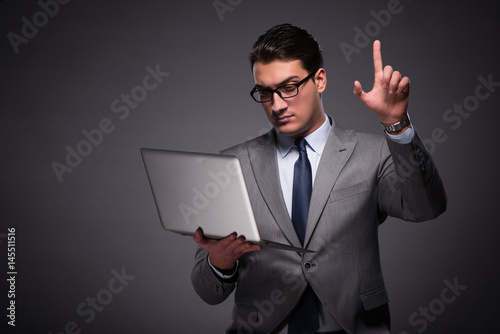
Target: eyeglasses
x=285 y=91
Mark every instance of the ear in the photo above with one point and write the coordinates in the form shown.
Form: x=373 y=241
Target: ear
x=320 y=80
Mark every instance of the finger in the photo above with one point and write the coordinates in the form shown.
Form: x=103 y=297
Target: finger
x=404 y=86
x=377 y=58
x=248 y=247
x=358 y=90
x=394 y=82
x=198 y=235
x=233 y=246
x=203 y=242
x=386 y=78
x=227 y=241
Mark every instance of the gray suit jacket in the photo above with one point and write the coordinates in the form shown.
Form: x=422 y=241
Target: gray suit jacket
x=361 y=179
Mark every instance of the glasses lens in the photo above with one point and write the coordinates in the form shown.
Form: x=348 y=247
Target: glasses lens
x=263 y=95
x=289 y=90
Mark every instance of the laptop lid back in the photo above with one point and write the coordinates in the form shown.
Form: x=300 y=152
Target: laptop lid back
x=204 y=190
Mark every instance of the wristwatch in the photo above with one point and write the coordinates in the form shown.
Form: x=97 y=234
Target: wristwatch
x=397 y=126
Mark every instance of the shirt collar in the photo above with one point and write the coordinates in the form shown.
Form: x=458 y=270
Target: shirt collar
x=315 y=140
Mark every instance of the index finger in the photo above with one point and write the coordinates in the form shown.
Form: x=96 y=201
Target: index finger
x=377 y=57
x=228 y=240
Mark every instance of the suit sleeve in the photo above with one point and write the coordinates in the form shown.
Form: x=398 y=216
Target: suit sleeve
x=410 y=187
x=207 y=284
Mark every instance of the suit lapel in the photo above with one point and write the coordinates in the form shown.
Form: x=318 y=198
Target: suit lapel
x=337 y=151
x=265 y=169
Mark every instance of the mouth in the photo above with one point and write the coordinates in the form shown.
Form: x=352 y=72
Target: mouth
x=282 y=118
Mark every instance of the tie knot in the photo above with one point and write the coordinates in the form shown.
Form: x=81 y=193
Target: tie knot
x=301 y=144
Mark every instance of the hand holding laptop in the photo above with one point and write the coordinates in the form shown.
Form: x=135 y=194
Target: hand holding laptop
x=223 y=253
x=193 y=190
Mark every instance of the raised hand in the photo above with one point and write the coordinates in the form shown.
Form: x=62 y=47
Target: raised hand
x=388 y=98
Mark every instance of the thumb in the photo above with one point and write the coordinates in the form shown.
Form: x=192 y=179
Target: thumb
x=358 y=91
x=199 y=237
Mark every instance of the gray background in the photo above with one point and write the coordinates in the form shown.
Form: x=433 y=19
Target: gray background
x=72 y=234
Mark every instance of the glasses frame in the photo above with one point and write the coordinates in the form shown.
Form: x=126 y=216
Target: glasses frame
x=276 y=90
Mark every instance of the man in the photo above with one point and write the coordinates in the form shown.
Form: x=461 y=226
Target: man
x=358 y=180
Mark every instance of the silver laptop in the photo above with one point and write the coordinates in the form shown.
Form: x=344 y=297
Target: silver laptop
x=194 y=190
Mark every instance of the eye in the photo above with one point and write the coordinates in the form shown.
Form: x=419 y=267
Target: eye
x=288 y=89
x=264 y=93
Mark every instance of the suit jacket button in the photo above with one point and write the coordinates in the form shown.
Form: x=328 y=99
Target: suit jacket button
x=307 y=266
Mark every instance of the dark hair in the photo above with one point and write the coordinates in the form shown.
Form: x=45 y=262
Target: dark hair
x=287 y=42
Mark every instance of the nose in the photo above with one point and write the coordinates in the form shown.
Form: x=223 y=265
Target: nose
x=279 y=104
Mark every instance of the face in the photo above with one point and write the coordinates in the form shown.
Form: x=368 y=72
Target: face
x=297 y=116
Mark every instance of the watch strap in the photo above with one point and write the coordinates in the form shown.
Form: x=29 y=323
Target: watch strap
x=397 y=126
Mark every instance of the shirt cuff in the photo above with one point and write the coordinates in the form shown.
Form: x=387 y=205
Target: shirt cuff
x=404 y=138
x=226 y=277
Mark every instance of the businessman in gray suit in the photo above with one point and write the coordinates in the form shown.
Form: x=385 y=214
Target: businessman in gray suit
x=315 y=185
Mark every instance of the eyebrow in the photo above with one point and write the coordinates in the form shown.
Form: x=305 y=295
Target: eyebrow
x=279 y=84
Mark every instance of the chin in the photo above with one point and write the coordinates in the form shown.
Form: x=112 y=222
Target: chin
x=287 y=130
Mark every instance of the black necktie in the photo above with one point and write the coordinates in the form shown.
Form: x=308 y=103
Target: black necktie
x=305 y=317
x=302 y=188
